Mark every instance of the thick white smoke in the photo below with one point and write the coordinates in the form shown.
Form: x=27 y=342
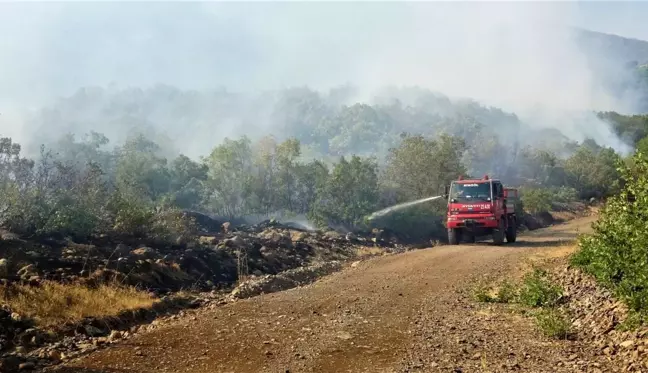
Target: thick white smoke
x=522 y=57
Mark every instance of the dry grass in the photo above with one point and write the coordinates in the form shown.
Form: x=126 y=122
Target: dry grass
x=365 y=251
x=541 y=257
x=53 y=304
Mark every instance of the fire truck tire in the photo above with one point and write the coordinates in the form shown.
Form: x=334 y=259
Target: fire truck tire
x=511 y=233
x=454 y=236
x=498 y=234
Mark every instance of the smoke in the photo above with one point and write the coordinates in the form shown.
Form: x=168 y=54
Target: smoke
x=522 y=57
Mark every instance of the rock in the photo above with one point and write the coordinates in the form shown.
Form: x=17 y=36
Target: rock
x=207 y=240
x=27 y=366
x=297 y=236
x=31 y=337
x=4 y=268
x=333 y=235
x=355 y=264
x=121 y=250
x=8 y=236
x=54 y=356
x=9 y=364
x=234 y=242
x=276 y=239
x=114 y=336
x=146 y=252
x=226 y=227
x=344 y=335
x=93 y=331
x=627 y=344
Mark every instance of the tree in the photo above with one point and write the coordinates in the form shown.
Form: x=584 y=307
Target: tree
x=187 y=179
x=229 y=181
x=540 y=167
x=593 y=173
x=286 y=185
x=140 y=172
x=312 y=178
x=616 y=252
x=349 y=194
x=420 y=167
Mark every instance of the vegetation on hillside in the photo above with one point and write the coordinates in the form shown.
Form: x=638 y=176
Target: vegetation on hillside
x=616 y=252
x=330 y=163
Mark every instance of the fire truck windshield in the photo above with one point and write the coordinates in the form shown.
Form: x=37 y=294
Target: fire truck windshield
x=465 y=192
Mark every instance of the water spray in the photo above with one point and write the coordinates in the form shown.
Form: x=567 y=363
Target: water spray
x=401 y=206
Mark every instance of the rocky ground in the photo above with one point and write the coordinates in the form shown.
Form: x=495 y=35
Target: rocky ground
x=406 y=312
x=226 y=264
x=601 y=320
x=214 y=262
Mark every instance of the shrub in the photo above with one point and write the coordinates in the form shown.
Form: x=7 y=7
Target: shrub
x=553 y=323
x=538 y=291
x=173 y=226
x=564 y=194
x=482 y=294
x=616 y=251
x=506 y=292
x=536 y=200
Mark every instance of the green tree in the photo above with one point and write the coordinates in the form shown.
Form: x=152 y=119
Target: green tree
x=540 y=167
x=312 y=178
x=616 y=252
x=536 y=200
x=230 y=176
x=420 y=167
x=593 y=173
x=286 y=185
x=187 y=179
x=140 y=172
x=349 y=194
x=642 y=146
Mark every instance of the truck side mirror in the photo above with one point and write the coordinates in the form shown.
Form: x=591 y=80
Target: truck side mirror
x=445 y=191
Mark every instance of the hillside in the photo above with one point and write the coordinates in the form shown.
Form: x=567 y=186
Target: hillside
x=614 y=47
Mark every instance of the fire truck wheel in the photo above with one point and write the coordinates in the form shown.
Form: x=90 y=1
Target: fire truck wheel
x=454 y=236
x=498 y=234
x=511 y=233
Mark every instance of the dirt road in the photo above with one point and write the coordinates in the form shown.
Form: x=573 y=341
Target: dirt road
x=398 y=313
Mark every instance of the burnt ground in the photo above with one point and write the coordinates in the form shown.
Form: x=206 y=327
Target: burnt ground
x=409 y=312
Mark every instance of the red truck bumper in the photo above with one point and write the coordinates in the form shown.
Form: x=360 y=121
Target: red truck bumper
x=471 y=221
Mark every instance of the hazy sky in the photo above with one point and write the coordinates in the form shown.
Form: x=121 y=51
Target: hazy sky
x=53 y=48
x=624 y=18
x=514 y=55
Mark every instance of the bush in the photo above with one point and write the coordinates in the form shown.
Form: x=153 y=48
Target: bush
x=173 y=226
x=482 y=294
x=536 y=200
x=131 y=216
x=538 y=291
x=616 y=252
x=416 y=223
x=553 y=324
x=564 y=194
x=506 y=292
